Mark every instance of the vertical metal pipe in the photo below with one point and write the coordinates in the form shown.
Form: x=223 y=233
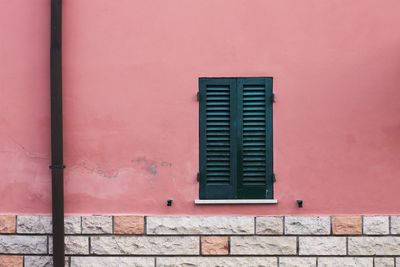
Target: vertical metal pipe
x=57 y=161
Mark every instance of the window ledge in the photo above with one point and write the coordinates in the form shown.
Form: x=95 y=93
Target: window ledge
x=234 y=201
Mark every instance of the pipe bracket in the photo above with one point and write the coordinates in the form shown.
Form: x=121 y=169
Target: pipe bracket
x=57 y=167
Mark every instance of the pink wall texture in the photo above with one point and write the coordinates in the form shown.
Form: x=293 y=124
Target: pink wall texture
x=131 y=73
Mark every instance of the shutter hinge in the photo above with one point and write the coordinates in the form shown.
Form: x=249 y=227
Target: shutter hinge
x=273 y=178
x=198 y=96
x=198 y=177
x=272 y=98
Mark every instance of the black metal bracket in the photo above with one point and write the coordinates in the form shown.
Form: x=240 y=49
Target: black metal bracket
x=57 y=167
x=299 y=203
x=198 y=96
x=273 y=98
x=198 y=177
x=169 y=202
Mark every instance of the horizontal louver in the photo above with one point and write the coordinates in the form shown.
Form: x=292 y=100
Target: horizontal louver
x=218 y=134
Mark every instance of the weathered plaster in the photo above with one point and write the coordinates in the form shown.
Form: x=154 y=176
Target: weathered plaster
x=130 y=71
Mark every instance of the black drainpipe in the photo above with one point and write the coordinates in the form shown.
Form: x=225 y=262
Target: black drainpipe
x=57 y=162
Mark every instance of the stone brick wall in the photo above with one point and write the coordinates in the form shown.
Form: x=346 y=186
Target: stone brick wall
x=152 y=241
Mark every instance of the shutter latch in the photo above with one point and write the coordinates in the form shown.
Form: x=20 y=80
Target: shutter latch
x=198 y=177
x=272 y=98
x=198 y=96
x=273 y=178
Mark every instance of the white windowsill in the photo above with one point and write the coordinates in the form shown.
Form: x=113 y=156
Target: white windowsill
x=234 y=201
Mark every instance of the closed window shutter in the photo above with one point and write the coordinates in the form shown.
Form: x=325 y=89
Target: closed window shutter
x=236 y=138
x=255 y=174
x=217 y=138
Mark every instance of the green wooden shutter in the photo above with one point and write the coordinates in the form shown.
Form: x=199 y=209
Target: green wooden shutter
x=236 y=159
x=217 y=138
x=254 y=168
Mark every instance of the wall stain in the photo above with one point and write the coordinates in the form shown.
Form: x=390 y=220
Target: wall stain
x=149 y=165
x=152 y=169
x=97 y=169
x=166 y=164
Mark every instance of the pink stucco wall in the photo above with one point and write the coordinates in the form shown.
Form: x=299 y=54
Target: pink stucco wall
x=131 y=116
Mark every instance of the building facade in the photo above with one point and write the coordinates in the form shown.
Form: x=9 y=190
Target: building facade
x=205 y=133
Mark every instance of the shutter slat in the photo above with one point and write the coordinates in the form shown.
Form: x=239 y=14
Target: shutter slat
x=255 y=163
x=254 y=118
x=255 y=115
x=247 y=138
x=253 y=94
x=217 y=94
x=217 y=103
x=213 y=168
x=254 y=88
x=252 y=123
x=218 y=158
x=252 y=168
x=250 y=134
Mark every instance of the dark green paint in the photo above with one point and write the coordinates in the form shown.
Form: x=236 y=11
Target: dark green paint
x=236 y=138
